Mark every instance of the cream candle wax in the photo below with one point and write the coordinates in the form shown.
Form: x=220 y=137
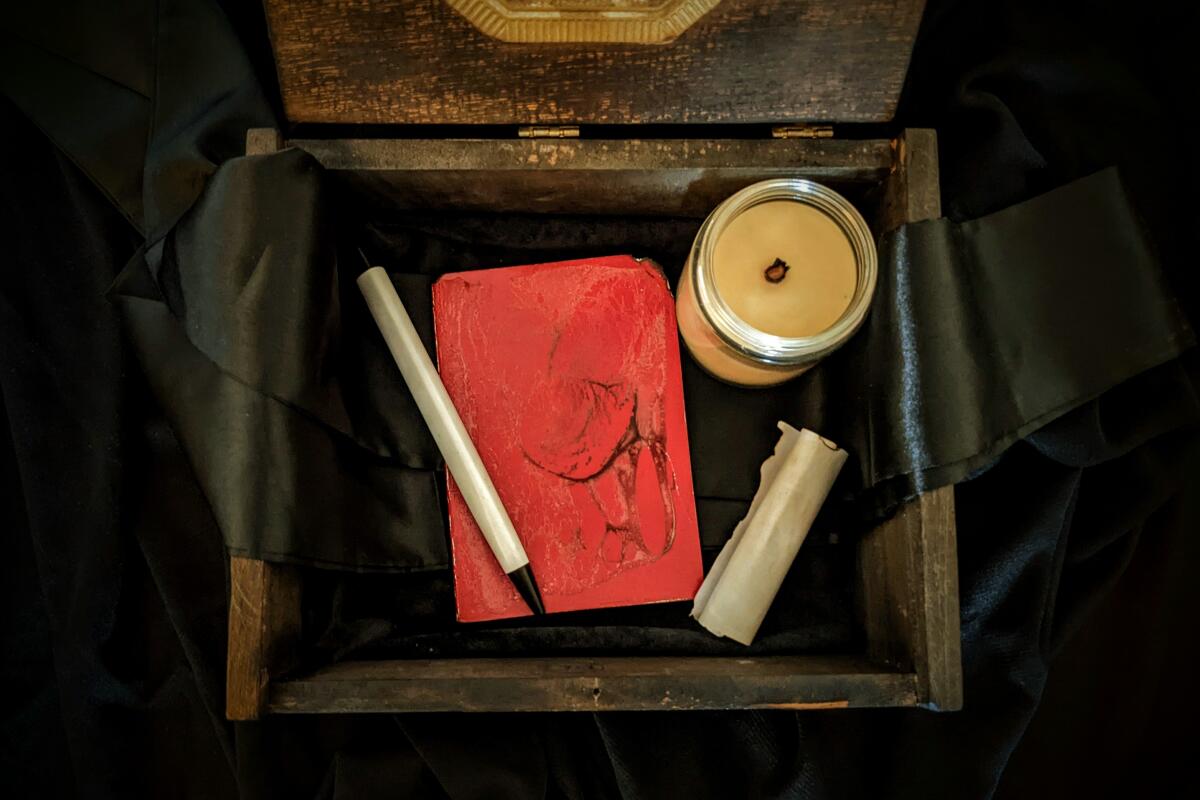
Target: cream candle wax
x=781 y=274
x=785 y=268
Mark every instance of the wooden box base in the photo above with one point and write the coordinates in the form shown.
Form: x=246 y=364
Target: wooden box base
x=908 y=572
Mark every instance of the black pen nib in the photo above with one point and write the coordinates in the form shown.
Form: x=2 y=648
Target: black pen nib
x=522 y=578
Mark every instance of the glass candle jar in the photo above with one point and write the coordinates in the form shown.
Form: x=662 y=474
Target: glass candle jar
x=780 y=275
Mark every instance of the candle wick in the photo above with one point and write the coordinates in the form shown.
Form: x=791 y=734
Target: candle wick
x=776 y=272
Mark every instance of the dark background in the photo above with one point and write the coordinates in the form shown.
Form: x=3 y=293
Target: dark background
x=1076 y=548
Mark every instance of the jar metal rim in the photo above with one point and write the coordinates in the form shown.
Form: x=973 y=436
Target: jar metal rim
x=757 y=344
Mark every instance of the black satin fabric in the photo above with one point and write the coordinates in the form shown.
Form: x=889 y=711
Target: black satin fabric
x=253 y=347
x=310 y=448
x=146 y=97
x=987 y=329
x=1075 y=545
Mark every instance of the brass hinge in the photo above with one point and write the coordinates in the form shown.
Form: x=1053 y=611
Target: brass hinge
x=548 y=132
x=802 y=132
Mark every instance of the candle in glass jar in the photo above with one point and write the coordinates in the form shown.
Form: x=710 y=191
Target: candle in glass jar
x=780 y=275
x=785 y=268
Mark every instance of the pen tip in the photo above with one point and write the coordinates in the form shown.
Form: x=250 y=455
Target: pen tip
x=522 y=578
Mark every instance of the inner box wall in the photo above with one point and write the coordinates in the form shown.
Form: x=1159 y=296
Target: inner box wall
x=427 y=222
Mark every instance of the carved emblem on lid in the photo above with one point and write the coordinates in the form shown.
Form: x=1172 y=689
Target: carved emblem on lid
x=602 y=21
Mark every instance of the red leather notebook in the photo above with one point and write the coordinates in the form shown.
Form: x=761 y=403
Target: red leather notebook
x=567 y=378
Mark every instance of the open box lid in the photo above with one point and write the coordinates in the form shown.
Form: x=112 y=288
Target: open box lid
x=571 y=62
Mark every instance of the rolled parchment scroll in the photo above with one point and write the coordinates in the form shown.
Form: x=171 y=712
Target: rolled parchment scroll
x=735 y=596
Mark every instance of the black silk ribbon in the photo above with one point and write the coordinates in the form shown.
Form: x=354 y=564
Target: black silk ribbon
x=309 y=447
x=983 y=331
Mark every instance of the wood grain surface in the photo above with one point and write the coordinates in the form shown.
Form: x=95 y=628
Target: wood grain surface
x=667 y=177
x=419 y=61
x=264 y=624
x=595 y=684
x=909 y=597
x=908 y=565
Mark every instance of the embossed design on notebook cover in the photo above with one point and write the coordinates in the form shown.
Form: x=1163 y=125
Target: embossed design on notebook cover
x=567 y=377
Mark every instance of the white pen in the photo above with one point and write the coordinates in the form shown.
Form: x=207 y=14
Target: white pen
x=462 y=459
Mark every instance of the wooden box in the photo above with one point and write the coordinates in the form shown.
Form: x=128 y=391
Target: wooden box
x=400 y=63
